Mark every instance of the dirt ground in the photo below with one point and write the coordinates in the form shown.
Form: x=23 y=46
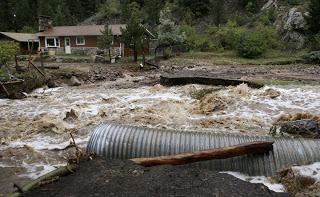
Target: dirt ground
x=124 y=178
x=91 y=73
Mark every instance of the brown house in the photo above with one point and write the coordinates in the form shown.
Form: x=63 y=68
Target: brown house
x=78 y=39
x=27 y=42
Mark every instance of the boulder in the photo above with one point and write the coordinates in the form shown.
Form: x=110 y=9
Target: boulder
x=75 y=81
x=271 y=93
x=306 y=128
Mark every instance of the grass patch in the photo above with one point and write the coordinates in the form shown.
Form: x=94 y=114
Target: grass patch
x=231 y=58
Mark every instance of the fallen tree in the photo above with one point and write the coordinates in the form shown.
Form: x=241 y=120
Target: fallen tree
x=257 y=147
x=45 y=179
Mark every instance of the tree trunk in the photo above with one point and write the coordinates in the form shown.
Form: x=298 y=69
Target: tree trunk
x=62 y=171
x=110 y=55
x=257 y=147
x=135 y=53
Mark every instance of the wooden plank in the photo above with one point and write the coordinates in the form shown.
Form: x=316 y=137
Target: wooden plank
x=257 y=147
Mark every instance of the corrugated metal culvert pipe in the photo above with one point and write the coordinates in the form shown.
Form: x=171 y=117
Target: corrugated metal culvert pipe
x=123 y=142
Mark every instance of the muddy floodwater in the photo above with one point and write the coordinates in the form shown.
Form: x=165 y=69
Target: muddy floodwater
x=34 y=132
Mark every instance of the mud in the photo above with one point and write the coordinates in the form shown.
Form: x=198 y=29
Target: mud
x=124 y=178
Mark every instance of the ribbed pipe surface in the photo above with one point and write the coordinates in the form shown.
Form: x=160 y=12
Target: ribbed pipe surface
x=116 y=141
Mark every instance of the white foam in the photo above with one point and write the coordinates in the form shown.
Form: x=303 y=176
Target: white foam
x=41 y=142
x=312 y=171
x=276 y=187
x=34 y=171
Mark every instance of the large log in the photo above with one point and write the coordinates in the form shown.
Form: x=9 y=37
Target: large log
x=59 y=172
x=257 y=147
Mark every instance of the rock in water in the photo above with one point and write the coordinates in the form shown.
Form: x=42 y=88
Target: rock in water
x=271 y=93
x=306 y=128
x=75 y=81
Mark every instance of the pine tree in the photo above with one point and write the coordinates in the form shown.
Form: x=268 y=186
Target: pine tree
x=152 y=9
x=105 y=41
x=62 y=16
x=133 y=35
x=314 y=16
x=6 y=16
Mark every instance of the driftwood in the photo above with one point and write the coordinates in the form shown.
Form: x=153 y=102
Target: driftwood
x=258 y=147
x=51 y=176
x=30 y=63
x=4 y=88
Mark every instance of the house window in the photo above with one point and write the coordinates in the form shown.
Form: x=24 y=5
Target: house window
x=80 y=40
x=52 y=42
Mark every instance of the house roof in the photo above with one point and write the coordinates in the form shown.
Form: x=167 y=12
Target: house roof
x=84 y=30
x=20 y=37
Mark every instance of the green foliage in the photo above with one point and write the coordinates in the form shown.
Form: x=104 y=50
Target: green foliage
x=27 y=29
x=270 y=35
x=251 y=45
x=268 y=18
x=295 y=2
x=312 y=57
x=226 y=36
x=199 y=8
x=105 y=41
x=110 y=9
x=250 y=6
x=198 y=42
x=168 y=32
x=314 y=42
x=152 y=9
x=63 y=15
x=8 y=50
x=217 y=9
x=314 y=16
x=133 y=36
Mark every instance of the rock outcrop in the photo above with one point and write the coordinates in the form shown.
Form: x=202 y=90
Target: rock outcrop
x=293 y=28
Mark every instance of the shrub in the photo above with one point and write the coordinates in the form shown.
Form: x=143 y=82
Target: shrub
x=251 y=45
x=315 y=42
x=270 y=35
x=8 y=50
x=312 y=57
x=198 y=42
x=226 y=36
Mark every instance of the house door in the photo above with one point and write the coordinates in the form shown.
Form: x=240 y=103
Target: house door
x=67 y=45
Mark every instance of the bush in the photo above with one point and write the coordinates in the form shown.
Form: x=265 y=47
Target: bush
x=8 y=49
x=315 y=42
x=198 y=42
x=312 y=57
x=251 y=45
x=270 y=35
x=226 y=36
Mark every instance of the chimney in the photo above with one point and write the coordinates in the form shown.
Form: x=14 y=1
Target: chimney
x=45 y=23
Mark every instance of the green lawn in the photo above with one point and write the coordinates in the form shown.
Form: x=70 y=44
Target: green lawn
x=231 y=58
